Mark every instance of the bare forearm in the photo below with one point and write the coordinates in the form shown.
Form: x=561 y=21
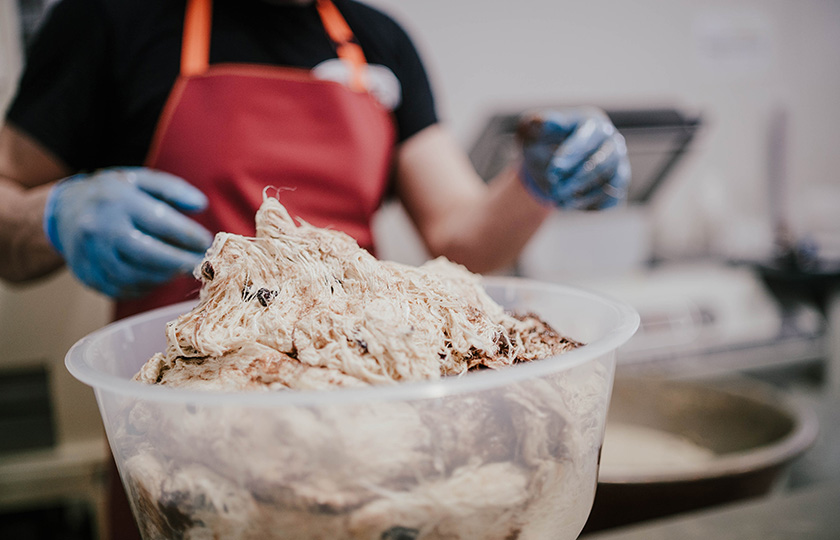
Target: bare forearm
x=489 y=233
x=27 y=171
x=25 y=252
x=484 y=227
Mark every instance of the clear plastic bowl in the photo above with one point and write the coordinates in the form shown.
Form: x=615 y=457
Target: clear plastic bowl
x=489 y=455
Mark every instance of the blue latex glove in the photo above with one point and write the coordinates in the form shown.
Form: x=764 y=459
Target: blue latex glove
x=574 y=158
x=121 y=231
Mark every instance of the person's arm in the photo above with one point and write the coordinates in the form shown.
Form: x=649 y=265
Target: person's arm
x=50 y=118
x=571 y=159
x=121 y=231
x=482 y=226
x=27 y=171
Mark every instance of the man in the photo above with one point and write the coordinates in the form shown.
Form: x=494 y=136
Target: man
x=141 y=128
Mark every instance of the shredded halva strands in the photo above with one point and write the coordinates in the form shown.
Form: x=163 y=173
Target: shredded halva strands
x=304 y=307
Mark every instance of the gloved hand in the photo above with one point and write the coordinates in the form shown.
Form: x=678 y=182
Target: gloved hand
x=121 y=231
x=574 y=158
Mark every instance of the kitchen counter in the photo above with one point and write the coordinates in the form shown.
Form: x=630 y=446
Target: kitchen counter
x=811 y=513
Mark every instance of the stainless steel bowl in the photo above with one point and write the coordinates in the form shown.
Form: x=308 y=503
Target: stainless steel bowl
x=753 y=430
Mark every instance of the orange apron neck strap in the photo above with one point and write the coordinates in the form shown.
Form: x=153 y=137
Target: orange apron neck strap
x=347 y=49
x=195 y=48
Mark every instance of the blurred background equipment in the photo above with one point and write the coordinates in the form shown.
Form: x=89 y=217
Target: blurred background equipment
x=656 y=140
x=723 y=318
x=701 y=310
x=677 y=446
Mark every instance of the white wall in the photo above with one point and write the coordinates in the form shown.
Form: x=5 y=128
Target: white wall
x=734 y=60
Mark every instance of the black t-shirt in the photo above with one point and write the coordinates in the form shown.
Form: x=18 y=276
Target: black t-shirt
x=99 y=71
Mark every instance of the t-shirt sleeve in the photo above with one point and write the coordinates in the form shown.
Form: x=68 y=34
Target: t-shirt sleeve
x=61 y=99
x=417 y=109
x=385 y=41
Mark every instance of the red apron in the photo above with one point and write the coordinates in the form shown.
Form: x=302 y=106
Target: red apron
x=232 y=130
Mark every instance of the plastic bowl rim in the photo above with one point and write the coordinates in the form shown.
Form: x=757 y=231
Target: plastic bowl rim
x=472 y=382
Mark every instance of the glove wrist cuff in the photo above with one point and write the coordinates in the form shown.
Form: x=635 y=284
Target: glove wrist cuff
x=532 y=187
x=49 y=224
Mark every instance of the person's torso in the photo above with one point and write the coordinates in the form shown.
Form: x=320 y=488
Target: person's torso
x=147 y=45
